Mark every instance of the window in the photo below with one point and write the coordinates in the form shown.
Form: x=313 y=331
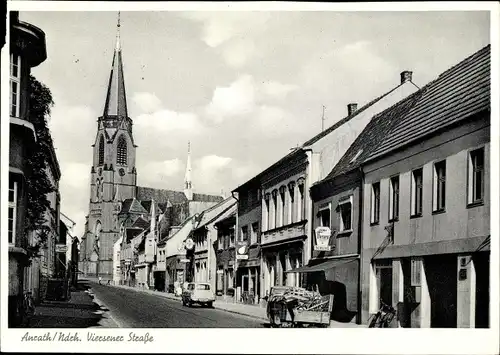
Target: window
x=416 y=192
x=203 y=287
x=15 y=84
x=275 y=208
x=101 y=150
x=394 y=198
x=291 y=206
x=121 y=151
x=476 y=176
x=12 y=211
x=324 y=216
x=267 y=218
x=244 y=233
x=283 y=200
x=220 y=241
x=416 y=271
x=255 y=232
x=231 y=237
x=375 y=203
x=439 y=193
x=301 y=213
x=345 y=210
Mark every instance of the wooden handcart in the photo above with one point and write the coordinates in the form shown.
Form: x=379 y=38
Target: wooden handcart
x=296 y=307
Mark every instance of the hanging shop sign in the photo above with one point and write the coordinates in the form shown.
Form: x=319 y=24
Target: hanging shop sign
x=323 y=235
x=189 y=244
x=242 y=251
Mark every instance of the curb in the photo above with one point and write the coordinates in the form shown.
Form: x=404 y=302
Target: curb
x=173 y=298
x=106 y=315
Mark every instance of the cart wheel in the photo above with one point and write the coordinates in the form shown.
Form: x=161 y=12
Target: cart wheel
x=277 y=320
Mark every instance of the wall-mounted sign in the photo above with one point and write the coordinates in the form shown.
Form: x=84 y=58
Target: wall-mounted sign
x=220 y=272
x=184 y=261
x=323 y=235
x=242 y=251
x=189 y=244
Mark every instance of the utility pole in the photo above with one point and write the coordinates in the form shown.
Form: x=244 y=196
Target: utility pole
x=323 y=119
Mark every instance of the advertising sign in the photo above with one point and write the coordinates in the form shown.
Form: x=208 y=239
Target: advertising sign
x=242 y=251
x=323 y=235
x=189 y=244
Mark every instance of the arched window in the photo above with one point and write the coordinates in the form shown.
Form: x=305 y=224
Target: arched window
x=121 y=151
x=101 y=150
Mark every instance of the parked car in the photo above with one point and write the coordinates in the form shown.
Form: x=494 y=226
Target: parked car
x=200 y=293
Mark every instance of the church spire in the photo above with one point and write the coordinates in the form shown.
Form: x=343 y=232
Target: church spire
x=116 y=102
x=188 y=187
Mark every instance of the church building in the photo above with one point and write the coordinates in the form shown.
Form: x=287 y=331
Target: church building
x=115 y=199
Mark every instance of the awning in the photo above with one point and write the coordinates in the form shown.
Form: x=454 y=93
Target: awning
x=324 y=265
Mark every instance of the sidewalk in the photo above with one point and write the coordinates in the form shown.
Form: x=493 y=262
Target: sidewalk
x=81 y=311
x=238 y=308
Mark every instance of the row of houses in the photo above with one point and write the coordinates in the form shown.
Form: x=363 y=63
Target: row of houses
x=391 y=204
x=30 y=271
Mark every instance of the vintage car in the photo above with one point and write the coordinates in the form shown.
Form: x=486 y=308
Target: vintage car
x=200 y=293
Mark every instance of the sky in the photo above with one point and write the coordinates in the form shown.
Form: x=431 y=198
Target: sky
x=243 y=87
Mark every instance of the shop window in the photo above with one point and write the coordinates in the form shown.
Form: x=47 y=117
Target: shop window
x=15 y=84
x=476 y=176
x=345 y=211
x=375 y=203
x=439 y=191
x=394 y=198
x=416 y=192
x=324 y=216
x=12 y=211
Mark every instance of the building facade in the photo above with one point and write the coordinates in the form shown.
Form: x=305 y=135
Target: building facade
x=225 y=255
x=27 y=50
x=426 y=236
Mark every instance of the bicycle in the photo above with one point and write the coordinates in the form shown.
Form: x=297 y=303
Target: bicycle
x=384 y=316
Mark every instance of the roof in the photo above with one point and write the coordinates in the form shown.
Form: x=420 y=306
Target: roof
x=160 y=195
x=163 y=240
x=460 y=92
x=116 y=101
x=207 y=198
x=210 y=214
x=131 y=233
x=141 y=223
x=372 y=136
x=132 y=205
x=230 y=212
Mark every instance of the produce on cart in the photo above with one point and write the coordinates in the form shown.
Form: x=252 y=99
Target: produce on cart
x=295 y=306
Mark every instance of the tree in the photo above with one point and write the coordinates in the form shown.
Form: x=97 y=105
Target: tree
x=38 y=184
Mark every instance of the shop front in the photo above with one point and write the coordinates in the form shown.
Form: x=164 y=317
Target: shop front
x=248 y=279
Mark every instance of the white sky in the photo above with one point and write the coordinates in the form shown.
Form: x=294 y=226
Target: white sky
x=243 y=87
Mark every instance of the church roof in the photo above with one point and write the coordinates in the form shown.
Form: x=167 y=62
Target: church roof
x=207 y=198
x=141 y=223
x=131 y=233
x=160 y=195
x=116 y=102
x=132 y=205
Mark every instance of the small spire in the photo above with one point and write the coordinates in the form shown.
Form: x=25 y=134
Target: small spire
x=118 y=44
x=188 y=188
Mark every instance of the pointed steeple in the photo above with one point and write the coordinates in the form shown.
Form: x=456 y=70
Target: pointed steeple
x=116 y=102
x=188 y=187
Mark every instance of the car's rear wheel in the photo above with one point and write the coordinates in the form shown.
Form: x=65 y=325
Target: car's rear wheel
x=210 y=304
x=190 y=303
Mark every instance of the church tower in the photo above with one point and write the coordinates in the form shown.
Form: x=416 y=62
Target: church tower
x=113 y=174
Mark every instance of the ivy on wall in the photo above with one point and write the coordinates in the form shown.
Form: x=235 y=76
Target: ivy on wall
x=38 y=184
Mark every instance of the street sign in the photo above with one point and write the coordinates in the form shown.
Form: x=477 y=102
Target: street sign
x=241 y=257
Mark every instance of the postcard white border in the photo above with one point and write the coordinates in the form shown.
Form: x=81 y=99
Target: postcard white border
x=347 y=341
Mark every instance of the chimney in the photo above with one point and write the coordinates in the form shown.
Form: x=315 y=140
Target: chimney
x=406 y=76
x=351 y=108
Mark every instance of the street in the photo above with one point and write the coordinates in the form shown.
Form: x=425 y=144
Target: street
x=132 y=309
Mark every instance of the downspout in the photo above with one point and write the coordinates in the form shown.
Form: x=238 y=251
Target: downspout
x=360 y=244
x=236 y=237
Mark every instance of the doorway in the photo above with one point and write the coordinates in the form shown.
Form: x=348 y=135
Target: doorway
x=441 y=275
x=482 y=266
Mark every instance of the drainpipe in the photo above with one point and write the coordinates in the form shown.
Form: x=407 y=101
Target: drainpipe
x=360 y=244
x=235 y=195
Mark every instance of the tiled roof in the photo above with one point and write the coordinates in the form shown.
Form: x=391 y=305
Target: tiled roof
x=347 y=118
x=458 y=93
x=230 y=212
x=213 y=212
x=372 y=136
x=159 y=195
x=164 y=239
x=206 y=198
x=130 y=233
x=131 y=205
x=141 y=223
x=146 y=205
